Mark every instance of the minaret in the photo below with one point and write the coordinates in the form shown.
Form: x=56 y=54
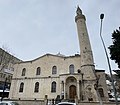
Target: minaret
x=87 y=63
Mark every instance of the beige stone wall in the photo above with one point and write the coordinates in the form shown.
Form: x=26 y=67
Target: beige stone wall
x=45 y=78
x=102 y=84
x=29 y=102
x=46 y=63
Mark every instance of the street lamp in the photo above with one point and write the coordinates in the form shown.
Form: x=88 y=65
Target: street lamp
x=108 y=61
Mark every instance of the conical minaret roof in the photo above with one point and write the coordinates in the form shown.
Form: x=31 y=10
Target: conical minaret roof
x=79 y=14
x=78 y=11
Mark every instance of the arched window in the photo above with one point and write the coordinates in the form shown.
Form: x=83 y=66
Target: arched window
x=36 y=87
x=21 y=87
x=101 y=92
x=71 y=69
x=38 y=71
x=53 y=86
x=54 y=70
x=23 y=71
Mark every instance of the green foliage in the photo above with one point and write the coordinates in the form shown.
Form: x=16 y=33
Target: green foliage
x=115 y=48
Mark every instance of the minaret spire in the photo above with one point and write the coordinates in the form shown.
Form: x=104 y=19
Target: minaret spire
x=79 y=11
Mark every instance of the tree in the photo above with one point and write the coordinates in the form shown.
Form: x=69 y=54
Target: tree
x=115 y=48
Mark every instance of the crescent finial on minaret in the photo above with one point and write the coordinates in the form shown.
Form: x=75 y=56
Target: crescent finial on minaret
x=79 y=11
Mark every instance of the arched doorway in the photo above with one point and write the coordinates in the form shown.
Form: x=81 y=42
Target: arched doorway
x=72 y=92
x=71 y=87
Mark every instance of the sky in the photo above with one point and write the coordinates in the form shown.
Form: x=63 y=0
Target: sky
x=32 y=28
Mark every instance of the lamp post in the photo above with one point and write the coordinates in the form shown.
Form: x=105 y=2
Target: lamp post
x=108 y=61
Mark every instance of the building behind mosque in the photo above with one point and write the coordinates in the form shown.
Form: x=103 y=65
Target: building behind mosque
x=6 y=70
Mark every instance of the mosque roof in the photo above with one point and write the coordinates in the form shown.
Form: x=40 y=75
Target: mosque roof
x=54 y=55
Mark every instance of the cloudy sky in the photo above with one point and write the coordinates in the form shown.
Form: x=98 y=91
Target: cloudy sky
x=32 y=28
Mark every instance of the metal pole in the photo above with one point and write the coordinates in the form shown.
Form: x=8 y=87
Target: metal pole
x=108 y=61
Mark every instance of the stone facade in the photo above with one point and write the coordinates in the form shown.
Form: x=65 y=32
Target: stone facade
x=65 y=80
x=69 y=77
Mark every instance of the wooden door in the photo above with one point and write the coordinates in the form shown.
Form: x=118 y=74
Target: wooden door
x=72 y=92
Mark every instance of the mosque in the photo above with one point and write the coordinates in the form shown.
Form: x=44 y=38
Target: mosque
x=68 y=77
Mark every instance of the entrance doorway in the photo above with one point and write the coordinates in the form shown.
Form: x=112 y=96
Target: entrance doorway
x=72 y=92
x=71 y=88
